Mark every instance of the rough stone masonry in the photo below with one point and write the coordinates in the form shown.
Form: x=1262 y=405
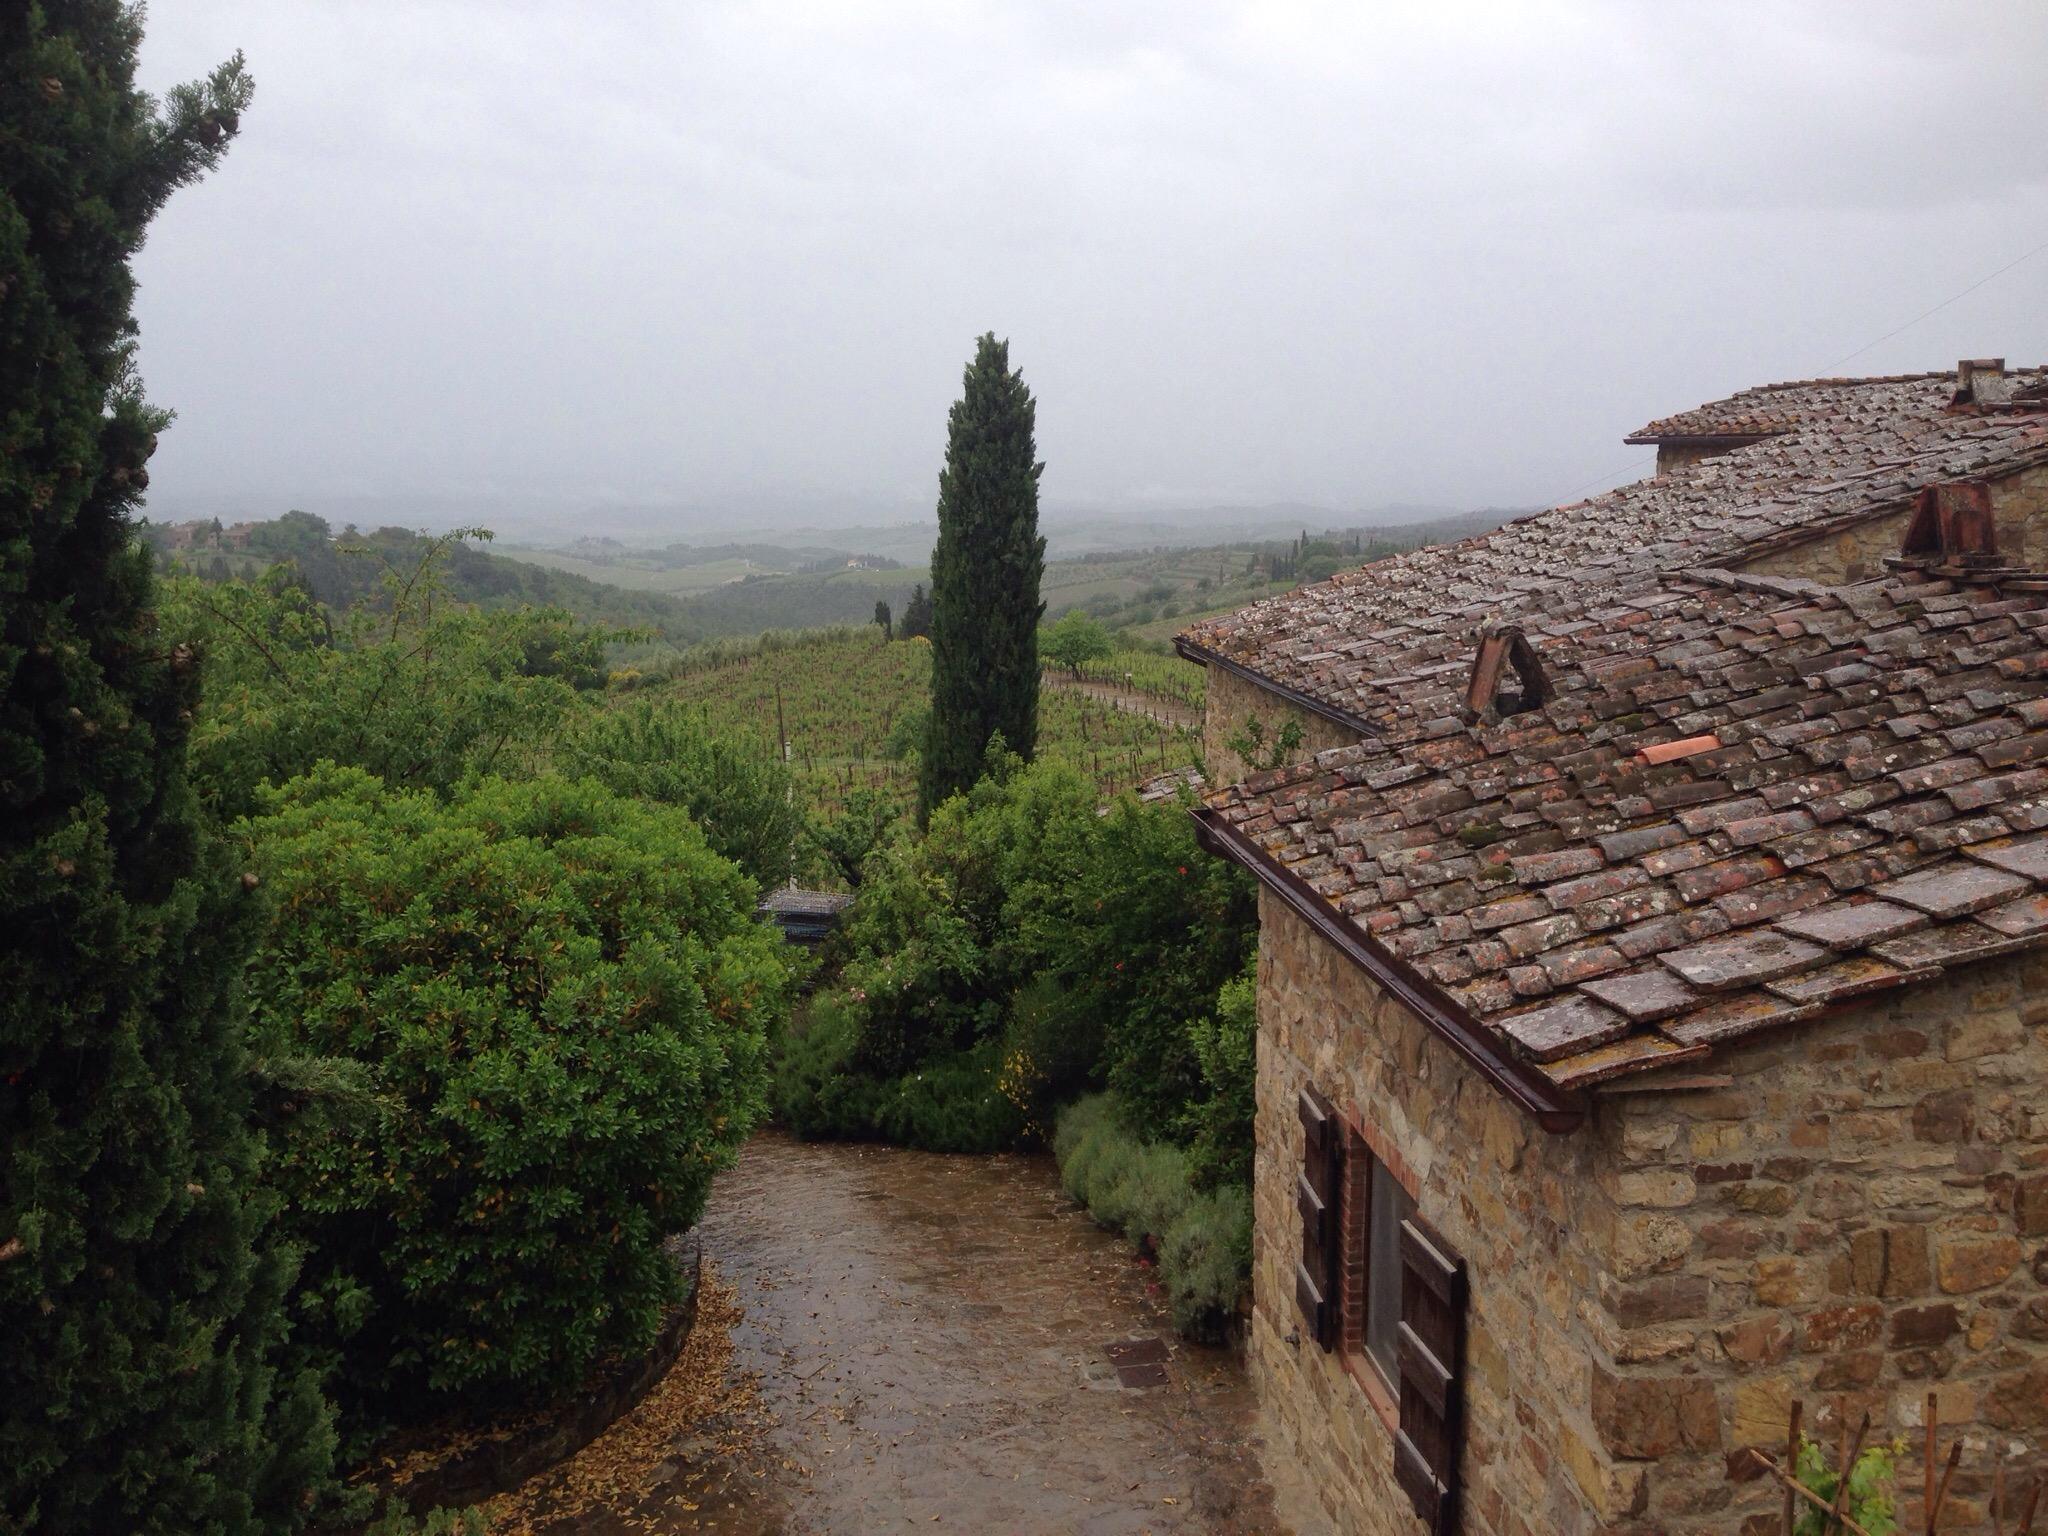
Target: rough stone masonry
x=1858 y=1215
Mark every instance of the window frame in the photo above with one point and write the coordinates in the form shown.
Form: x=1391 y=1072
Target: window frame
x=1365 y=1150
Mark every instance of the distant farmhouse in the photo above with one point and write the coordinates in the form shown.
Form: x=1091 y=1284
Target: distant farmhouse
x=1653 y=973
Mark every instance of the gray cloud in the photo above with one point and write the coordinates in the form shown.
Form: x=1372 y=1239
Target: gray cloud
x=725 y=254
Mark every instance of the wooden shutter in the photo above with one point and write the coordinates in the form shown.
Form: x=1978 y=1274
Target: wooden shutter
x=1432 y=1359
x=1315 y=1196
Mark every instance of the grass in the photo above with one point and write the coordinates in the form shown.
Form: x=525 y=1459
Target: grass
x=643 y=575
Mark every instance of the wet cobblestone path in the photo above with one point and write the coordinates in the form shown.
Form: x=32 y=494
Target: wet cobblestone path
x=925 y=1345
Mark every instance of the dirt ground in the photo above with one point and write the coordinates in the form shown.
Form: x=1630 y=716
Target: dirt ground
x=894 y=1340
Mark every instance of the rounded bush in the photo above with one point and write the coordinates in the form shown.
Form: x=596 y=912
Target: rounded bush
x=559 y=1001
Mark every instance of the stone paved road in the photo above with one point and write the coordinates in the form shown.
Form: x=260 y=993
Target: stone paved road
x=928 y=1336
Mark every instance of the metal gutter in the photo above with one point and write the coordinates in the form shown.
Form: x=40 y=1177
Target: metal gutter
x=1557 y=1110
x=1202 y=656
x=1704 y=439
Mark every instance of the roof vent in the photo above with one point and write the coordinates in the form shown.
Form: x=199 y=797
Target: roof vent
x=1982 y=381
x=1952 y=526
x=1501 y=649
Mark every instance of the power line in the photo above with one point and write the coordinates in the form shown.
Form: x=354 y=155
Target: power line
x=1850 y=357
x=1944 y=304
x=1599 y=480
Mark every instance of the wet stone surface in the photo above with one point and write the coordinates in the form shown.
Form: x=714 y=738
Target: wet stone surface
x=943 y=1343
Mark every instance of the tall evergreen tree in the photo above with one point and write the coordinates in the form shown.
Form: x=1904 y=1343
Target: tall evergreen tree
x=141 y=1291
x=917 y=614
x=985 y=574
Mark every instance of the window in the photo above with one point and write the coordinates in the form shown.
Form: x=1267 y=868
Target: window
x=1387 y=1206
x=1395 y=1306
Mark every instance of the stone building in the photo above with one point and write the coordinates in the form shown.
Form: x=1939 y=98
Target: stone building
x=1653 y=976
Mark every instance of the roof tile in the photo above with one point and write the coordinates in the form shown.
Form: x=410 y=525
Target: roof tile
x=1853 y=924
x=2022 y=856
x=1645 y=994
x=1862 y=809
x=1954 y=888
x=1563 y=1028
x=1744 y=959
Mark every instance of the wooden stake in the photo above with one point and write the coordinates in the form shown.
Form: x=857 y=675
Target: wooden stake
x=2033 y=1499
x=1927 y=1470
x=1998 y=1500
x=1955 y=1454
x=1850 y=1451
x=1792 y=1460
x=1796 y=1489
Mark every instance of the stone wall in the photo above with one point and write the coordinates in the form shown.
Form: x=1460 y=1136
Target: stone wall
x=2019 y=506
x=1672 y=457
x=1857 y=1218
x=1523 y=1208
x=1855 y=554
x=1230 y=700
x=1855 y=1215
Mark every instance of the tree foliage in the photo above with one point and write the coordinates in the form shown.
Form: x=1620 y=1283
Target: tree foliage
x=986 y=569
x=141 y=1276
x=418 y=689
x=562 y=1000
x=847 y=838
x=665 y=753
x=917 y=614
x=1086 y=949
x=1073 y=640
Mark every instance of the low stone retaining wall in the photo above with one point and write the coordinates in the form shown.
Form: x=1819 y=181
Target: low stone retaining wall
x=498 y=1465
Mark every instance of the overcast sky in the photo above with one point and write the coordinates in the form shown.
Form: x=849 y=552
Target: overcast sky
x=736 y=254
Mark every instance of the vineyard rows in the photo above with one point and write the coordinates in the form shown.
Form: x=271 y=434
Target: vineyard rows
x=853 y=705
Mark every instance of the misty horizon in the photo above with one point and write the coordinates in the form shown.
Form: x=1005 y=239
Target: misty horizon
x=725 y=267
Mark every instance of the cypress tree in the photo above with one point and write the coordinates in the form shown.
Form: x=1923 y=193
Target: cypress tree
x=141 y=1293
x=917 y=614
x=985 y=574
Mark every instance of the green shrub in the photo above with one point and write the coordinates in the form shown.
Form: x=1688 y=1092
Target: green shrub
x=1084 y=1129
x=1051 y=1052
x=1139 y=1188
x=563 y=1001
x=815 y=1092
x=952 y=1104
x=1219 y=1123
x=1143 y=1190
x=1205 y=1260
x=421 y=693
x=665 y=752
x=1087 y=944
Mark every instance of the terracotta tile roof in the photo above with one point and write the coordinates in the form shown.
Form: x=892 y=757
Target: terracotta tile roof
x=1843 y=451
x=1768 y=409
x=1861 y=803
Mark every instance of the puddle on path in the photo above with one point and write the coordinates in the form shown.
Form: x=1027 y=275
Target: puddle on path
x=929 y=1341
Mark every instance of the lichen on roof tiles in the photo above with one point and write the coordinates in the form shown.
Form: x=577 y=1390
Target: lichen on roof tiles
x=1842 y=451
x=1742 y=799
x=1569 y=888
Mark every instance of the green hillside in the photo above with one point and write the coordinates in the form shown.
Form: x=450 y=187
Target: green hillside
x=854 y=707
x=350 y=567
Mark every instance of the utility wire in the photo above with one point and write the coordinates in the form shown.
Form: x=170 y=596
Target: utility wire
x=1569 y=495
x=1944 y=304
x=1847 y=358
